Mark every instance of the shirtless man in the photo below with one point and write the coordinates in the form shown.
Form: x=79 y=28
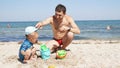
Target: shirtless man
x=63 y=27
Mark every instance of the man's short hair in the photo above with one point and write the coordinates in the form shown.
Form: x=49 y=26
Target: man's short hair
x=60 y=8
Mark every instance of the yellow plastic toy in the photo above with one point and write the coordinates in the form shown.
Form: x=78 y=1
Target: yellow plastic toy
x=51 y=66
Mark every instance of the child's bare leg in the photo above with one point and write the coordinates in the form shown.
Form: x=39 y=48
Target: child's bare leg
x=34 y=56
x=27 y=56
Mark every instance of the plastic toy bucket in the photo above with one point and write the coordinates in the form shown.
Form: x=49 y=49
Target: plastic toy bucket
x=61 y=54
x=45 y=52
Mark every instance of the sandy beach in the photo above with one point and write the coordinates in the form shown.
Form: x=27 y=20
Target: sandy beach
x=82 y=54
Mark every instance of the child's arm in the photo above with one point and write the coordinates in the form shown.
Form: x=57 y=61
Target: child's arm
x=39 y=43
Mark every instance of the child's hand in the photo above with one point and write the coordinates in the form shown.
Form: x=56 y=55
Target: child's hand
x=39 y=43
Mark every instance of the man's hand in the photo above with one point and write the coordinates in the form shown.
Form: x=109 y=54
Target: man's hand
x=63 y=28
x=39 y=25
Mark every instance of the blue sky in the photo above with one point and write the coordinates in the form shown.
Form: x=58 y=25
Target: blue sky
x=35 y=10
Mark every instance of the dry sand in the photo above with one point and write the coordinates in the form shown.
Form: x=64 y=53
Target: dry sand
x=83 y=54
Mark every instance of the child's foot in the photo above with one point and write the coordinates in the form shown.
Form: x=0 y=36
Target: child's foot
x=34 y=58
x=25 y=62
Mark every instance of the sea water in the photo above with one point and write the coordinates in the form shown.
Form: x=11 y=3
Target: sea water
x=90 y=29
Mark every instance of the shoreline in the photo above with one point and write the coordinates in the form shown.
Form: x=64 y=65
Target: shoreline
x=95 y=41
x=77 y=41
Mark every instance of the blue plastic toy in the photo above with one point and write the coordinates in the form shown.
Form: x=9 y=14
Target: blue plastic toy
x=45 y=52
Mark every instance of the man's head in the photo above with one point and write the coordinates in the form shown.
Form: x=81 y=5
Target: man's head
x=31 y=34
x=60 y=11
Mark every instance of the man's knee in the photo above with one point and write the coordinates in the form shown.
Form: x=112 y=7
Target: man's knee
x=52 y=43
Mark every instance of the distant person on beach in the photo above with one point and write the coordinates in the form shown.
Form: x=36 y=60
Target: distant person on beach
x=27 y=51
x=8 y=26
x=63 y=27
x=108 y=27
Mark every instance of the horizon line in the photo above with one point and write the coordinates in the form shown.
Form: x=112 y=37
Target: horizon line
x=74 y=20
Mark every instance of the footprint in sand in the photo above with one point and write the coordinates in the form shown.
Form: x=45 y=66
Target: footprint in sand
x=11 y=59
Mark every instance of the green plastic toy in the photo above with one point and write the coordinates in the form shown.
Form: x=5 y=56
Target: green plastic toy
x=61 y=54
x=43 y=47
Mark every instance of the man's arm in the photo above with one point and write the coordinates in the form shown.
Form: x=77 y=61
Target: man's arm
x=74 y=28
x=45 y=22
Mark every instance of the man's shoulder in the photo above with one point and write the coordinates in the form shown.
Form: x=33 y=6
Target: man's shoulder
x=50 y=18
x=68 y=17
